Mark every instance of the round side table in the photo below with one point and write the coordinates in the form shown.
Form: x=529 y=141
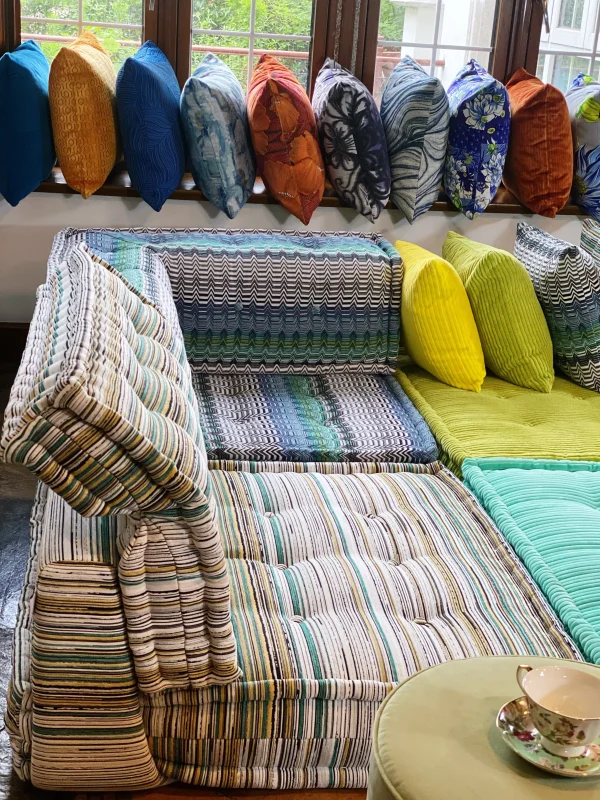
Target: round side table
x=435 y=738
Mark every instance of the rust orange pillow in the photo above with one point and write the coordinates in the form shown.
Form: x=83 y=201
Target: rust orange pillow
x=83 y=111
x=539 y=164
x=284 y=135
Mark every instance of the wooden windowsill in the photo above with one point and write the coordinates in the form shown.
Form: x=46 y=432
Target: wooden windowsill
x=119 y=185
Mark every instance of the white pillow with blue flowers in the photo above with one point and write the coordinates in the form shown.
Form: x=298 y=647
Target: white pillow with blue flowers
x=477 y=140
x=583 y=100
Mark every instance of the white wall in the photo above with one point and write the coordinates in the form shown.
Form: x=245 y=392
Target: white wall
x=26 y=232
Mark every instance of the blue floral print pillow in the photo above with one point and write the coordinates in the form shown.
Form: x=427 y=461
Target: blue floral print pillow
x=478 y=139
x=352 y=140
x=583 y=100
x=215 y=123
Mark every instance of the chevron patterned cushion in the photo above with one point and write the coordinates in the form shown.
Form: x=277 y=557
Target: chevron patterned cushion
x=566 y=279
x=342 y=585
x=270 y=301
x=316 y=418
x=103 y=411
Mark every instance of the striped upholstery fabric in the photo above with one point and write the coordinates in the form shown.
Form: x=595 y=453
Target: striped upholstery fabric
x=310 y=418
x=333 y=300
x=342 y=585
x=566 y=279
x=103 y=411
x=74 y=714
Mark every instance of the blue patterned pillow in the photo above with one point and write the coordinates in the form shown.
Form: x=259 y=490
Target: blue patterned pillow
x=415 y=116
x=478 y=139
x=352 y=140
x=26 y=148
x=215 y=122
x=583 y=100
x=148 y=106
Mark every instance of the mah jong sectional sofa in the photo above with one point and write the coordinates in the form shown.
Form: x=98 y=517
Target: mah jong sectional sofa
x=242 y=539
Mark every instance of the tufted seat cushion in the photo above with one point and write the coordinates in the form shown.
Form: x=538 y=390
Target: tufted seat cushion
x=310 y=418
x=342 y=585
x=549 y=511
x=507 y=420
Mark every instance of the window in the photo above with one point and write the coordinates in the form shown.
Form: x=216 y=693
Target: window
x=117 y=23
x=442 y=35
x=571 y=46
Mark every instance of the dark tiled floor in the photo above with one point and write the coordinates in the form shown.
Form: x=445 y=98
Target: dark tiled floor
x=17 y=488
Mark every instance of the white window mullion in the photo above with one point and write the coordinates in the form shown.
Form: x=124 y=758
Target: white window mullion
x=595 y=45
x=436 y=36
x=80 y=16
x=251 y=40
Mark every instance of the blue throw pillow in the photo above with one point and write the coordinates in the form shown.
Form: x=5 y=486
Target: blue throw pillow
x=26 y=148
x=478 y=139
x=352 y=140
x=215 y=122
x=415 y=116
x=148 y=106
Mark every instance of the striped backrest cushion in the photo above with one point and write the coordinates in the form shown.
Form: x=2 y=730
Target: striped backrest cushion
x=102 y=409
x=566 y=279
x=269 y=301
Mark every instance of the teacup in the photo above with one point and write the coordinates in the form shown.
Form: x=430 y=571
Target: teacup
x=564 y=705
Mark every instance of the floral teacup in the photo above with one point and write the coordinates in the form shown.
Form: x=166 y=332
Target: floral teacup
x=564 y=705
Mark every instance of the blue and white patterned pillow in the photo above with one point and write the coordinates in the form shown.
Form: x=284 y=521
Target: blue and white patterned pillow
x=352 y=140
x=148 y=106
x=415 y=116
x=583 y=100
x=478 y=139
x=215 y=122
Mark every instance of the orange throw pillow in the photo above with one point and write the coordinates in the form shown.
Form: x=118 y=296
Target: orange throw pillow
x=539 y=164
x=284 y=135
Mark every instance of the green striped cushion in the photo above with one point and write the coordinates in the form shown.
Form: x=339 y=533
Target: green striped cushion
x=549 y=511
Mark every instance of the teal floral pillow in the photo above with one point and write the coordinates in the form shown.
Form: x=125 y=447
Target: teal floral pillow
x=583 y=100
x=215 y=123
x=478 y=139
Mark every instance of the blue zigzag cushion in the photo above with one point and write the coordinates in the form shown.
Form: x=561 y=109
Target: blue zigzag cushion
x=415 y=116
x=567 y=284
x=352 y=140
x=310 y=418
x=478 y=139
x=215 y=123
x=26 y=147
x=148 y=105
x=583 y=100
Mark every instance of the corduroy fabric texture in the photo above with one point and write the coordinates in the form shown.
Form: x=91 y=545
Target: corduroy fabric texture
x=549 y=512
x=103 y=411
x=539 y=162
x=335 y=418
x=73 y=706
x=507 y=420
x=285 y=139
x=567 y=282
x=342 y=585
x=83 y=109
x=438 y=328
x=513 y=331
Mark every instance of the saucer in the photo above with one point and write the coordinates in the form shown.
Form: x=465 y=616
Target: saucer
x=520 y=734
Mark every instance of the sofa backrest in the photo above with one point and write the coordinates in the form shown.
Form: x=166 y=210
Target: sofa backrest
x=272 y=301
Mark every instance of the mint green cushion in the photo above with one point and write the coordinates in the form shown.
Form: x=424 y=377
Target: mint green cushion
x=549 y=511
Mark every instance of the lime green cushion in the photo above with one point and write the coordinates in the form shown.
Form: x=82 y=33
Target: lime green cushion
x=549 y=511
x=507 y=420
x=513 y=331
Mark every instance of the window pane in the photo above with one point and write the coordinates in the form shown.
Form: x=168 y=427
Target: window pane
x=287 y=17
x=119 y=42
x=449 y=62
x=562 y=70
x=232 y=50
x=387 y=58
x=571 y=14
x=407 y=22
x=221 y=15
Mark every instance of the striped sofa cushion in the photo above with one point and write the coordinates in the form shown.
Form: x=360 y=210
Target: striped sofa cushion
x=342 y=585
x=566 y=279
x=310 y=418
x=271 y=301
x=104 y=412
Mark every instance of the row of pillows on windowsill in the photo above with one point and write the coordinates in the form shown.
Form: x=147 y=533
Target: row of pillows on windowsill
x=478 y=308
x=421 y=138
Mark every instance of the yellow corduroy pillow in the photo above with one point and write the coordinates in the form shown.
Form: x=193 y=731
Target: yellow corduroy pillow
x=438 y=328
x=512 y=327
x=83 y=111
